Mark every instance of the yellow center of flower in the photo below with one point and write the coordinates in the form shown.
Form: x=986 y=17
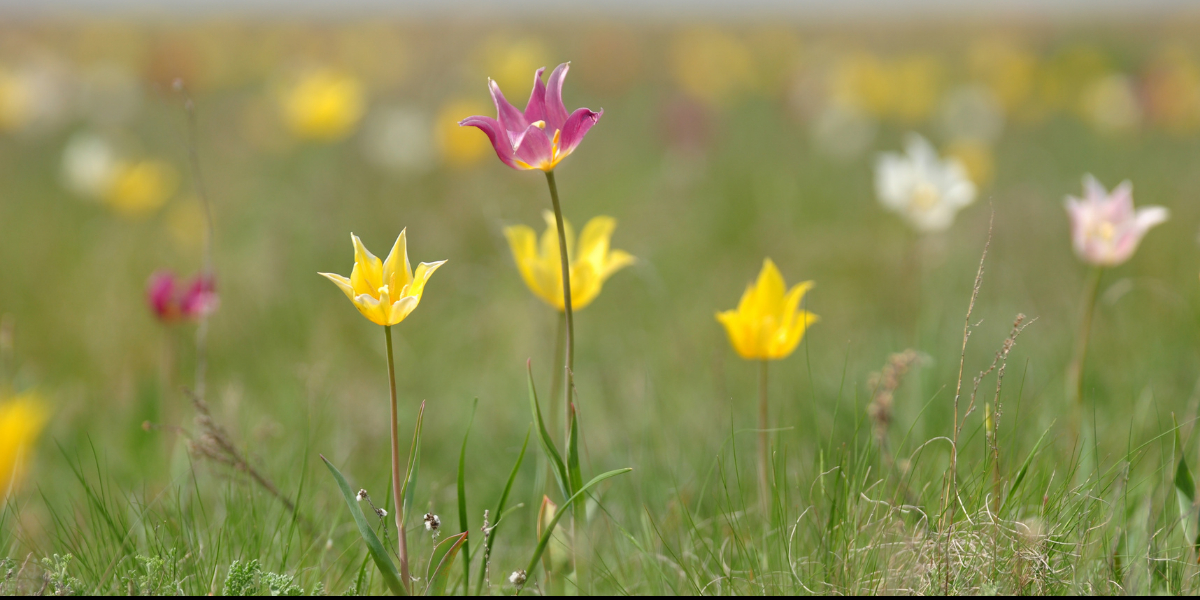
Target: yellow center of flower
x=383 y=290
x=1105 y=230
x=539 y=124
x=925 y=196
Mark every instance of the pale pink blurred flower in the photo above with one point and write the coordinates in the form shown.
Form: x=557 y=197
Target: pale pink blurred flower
x=1105 y=227
x=171 y=300
x=541 y=136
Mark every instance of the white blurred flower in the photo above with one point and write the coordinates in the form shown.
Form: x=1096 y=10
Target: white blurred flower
x=922 y=187
x=399 y=138
x=1111 y=103
x=972 y=112
x=843 y=132
x=89 y=166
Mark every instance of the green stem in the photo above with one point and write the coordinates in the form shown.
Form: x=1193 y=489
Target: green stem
x=397 y=483
x=1075 y=370
x=569 y=315
x=556 y=382
x=566 y=281
x=764 y=485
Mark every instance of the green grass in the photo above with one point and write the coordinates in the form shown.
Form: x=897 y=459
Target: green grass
x=296 y=373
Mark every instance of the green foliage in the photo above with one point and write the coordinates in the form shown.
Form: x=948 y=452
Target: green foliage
x=241 y=579
x=60 y=580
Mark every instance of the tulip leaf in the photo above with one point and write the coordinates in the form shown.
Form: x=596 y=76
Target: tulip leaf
x=440 y=562
x=386 y=567
x=462 y=499
x=414 y=459
x=489 y=539
x=560 y=470
x=549 y=529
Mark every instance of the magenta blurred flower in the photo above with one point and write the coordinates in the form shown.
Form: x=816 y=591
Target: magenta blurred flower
x=171 y=300
x=1105 y=228
x=541 y=136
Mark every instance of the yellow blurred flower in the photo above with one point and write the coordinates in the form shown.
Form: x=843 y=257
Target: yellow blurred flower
x=861 y=81
x=976 y=156
x=768 y=323
x=460 y=146
x=511 y=63
x=385 y=292
x=916 y=87
x=21 y=420
x=140 y=188
x=323 y=105
x=1007 y=69
x=711 y=65
x=592 y=261
x=15 y=101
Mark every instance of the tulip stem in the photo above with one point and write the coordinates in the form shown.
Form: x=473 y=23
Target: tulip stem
x=397 y=484
x=566 y=279
x=1075 y=371
x=556 y=382
x=764 y=485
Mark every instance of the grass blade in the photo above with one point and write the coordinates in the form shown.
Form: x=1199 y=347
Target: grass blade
x=574 y=476
x=440 y=562
x=386 y=567
x=1185 y=493
x=560 y=470
x=549 y=530
x=499 y=514
x=1012 y=489
x=462 y=500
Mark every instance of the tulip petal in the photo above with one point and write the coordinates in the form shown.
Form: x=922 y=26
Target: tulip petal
x=739 y=335
x=397 y=272
x=496 y=135
x=424 y=271
x=367 y=276
x=617 y=260
x=535 y=109
x=575 y=128
x=342 y=282
x=535 y=150
x=510 y=118
x=371 y=308
x=556 y=111
x=523 y=242
x=594 y=239
x=1149 y=216
x=400 y=309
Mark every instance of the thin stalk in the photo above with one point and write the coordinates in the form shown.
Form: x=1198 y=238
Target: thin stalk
x=207 y=270
x=566 y=281
x=764 y=485
x=556 y=382
x=569 y=316
x=1075 y=371
x=397 y=483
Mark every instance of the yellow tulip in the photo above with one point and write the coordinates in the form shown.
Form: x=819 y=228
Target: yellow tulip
x=768 y=324
x=385 y=292
x=592 y=262
x=20 y=422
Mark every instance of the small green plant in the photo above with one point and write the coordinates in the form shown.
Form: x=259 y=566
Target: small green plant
x=239 y=581
x=59 y=579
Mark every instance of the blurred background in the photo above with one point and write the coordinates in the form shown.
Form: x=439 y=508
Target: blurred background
x=727 y=136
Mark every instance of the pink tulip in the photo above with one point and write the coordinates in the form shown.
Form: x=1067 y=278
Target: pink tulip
x=1105 y=228
x=172 y=301
x=544 y=134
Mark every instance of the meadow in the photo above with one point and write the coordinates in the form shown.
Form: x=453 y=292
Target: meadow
x=718 y=147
